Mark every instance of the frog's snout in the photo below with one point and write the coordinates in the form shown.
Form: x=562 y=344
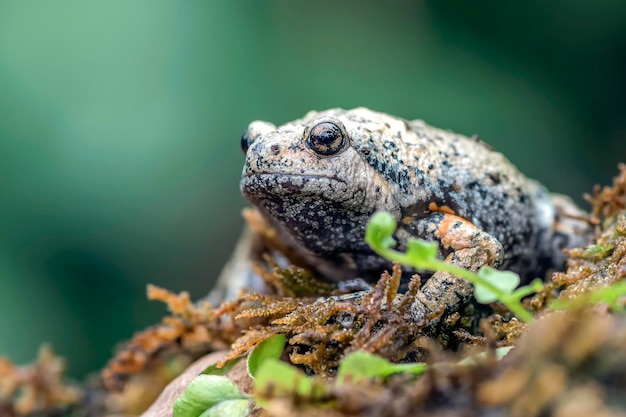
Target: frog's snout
x=263 y=152
x=255 y=130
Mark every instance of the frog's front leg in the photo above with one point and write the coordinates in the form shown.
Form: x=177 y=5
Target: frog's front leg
x=461 y=243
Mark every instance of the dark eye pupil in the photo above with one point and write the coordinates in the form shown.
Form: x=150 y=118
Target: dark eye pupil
x=326 y=138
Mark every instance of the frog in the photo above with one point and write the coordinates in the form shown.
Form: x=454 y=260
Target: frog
x=317 y=181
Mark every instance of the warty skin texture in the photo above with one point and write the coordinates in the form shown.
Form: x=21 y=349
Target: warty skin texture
x=439 y=186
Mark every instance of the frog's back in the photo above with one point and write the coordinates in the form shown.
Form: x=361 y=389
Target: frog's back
x=438 y=170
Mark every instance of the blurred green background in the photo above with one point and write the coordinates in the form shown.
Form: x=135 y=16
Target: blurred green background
x=120 y=125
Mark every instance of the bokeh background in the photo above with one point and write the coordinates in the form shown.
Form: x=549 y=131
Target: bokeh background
x=120 y=125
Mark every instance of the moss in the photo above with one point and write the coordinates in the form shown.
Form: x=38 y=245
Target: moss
x=37 y=388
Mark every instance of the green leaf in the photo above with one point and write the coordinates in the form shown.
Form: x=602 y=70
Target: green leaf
x=379 y=230
x=284 y=380
x=229 y=408
x=203 y=392
x=214 y=370
x=501 y=352
x=270 y=348
x=421 y=251
x=536 y=285
x=504 y=281
x=362 y=365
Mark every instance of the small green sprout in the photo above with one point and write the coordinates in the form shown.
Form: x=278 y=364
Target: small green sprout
x=211 y=395
x=270 y=348
x=281 y=379
x=489 y=284
x=214 y=370
x=278 y=378
x=363 y=365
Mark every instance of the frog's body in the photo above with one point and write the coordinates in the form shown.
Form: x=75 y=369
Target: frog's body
x=320 y=178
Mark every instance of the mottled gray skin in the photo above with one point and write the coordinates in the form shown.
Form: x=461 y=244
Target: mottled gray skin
x=439 y=186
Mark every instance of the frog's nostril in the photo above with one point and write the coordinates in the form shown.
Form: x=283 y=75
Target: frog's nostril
x=275 y=149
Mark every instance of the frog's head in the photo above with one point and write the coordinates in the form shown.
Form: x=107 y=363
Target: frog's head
x=314 y=177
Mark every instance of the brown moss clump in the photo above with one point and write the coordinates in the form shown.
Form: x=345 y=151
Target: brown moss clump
x=601 y=263
x=321 y=331
x=608 y=201
x=152 y=358
x=566 y=364
x=37 y=388
x=604 y=262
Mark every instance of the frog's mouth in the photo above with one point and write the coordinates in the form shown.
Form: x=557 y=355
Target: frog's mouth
x=267 y=188
x=275 y=175
x=265 y=184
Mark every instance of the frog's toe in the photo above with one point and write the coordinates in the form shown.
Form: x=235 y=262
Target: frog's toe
x=442 y=295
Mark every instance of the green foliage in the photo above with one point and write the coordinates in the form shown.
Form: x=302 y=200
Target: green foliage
x=420 y=249
x=229 y=408
x=489 y=284
x=503 y=280
x=382 y=225
x=270 y=348
x=211 y=395
x=501 y=352
x=214 y=370
x=281 y=379
x=276 y=377
x=361 y=365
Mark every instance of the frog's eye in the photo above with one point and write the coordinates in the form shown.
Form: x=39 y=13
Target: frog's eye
x=246 y=141
x=326 y=138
